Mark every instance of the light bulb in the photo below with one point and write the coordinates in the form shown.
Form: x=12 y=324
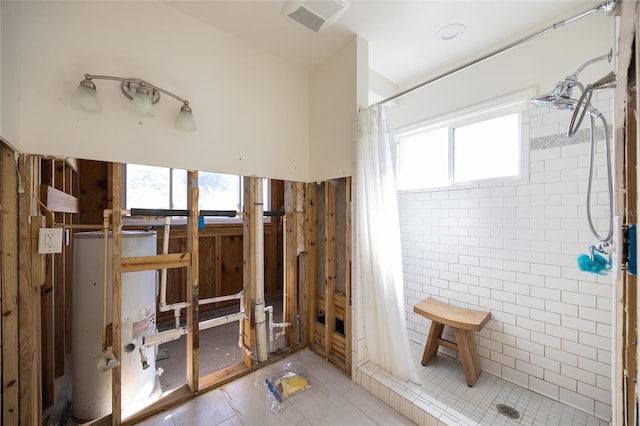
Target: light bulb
x=86 y=97
x=141 y=101
x=184 y=120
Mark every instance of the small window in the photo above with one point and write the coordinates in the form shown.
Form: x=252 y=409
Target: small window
x=152 y=187
x=485 y=145
x=487 y=149
x=424 y=160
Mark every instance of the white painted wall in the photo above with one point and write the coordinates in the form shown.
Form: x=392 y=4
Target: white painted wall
x=539 y=63
x=10 y=76
x=333 y=89
x=251 y=108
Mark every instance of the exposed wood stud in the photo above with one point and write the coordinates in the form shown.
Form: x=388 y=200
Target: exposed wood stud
x=9 y=271
x=249 y=265
x=311 y=258
x=48 y=321
x=290 y=263
x=329 y=264
x=347 y=273
x=57 y=198
x=30 y=382
x=116 y=292
x=193 y=287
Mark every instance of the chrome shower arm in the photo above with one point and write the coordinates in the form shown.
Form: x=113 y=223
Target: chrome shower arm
x=589 y=62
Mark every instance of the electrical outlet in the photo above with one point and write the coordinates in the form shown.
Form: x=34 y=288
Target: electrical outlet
x=50 y=240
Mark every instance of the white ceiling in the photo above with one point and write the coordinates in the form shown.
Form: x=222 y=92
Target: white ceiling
x=401 y=34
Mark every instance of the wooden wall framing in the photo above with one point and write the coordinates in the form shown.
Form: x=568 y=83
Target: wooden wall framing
x=22 y=277
x=9 y=268
x=36 y=318
x=328 y=269
x=58 y=182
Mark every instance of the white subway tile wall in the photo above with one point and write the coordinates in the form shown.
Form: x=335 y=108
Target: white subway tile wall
x=511 y=247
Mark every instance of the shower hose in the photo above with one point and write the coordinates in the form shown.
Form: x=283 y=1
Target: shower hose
x=582 y=107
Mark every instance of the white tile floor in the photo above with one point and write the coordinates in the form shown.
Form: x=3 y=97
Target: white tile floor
x=331 y=399
x=444 y=397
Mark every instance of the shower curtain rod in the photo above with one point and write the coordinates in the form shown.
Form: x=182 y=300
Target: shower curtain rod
x=604 y=6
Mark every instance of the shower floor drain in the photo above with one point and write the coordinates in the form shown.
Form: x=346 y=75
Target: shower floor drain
x=510 y=412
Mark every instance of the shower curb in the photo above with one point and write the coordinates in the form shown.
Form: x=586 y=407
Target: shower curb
x=407 y=398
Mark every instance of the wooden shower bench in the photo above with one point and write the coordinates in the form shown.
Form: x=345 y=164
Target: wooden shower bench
x=463 y=322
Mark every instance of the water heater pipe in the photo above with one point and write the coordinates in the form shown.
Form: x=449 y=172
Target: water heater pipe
x=105 y=276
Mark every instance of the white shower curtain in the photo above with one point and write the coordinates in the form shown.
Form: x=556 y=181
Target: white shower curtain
x=379 y=255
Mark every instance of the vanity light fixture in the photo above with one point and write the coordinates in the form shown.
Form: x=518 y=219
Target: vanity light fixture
x=143 y=96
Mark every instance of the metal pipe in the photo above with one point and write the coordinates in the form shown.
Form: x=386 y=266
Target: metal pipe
x=605 y=6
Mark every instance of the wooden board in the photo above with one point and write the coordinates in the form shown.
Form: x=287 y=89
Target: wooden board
x=116 y=293
x=329 y=263
x=193 y=283
x=231 y=267
x=207 y=267
x=347 y=272
x=290 y=263
x=248 y=265
x=9 y=271
x=29 y=381
x=150 y=263
x=58 y=201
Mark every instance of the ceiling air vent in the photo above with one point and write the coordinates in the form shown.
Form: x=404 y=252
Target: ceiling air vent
x=315 y=14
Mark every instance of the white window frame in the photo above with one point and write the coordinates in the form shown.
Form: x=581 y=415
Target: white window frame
x=181 y=220
x=499 y=107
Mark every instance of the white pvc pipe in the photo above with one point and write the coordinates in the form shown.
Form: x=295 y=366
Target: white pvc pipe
x=105 y=277
x=285 y=324
x=236 y=296
x=269 y=309
x=260 y=317
x=226 y=319
x=163 y=272
x=163 y=337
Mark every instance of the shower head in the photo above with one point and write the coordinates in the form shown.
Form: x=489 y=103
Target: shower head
x=559 y=97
